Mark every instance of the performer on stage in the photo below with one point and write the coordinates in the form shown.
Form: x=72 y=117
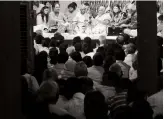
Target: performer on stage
x=56 y=18
x=101 y=21
x=81 y=20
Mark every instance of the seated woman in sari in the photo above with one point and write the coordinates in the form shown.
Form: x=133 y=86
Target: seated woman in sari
x=101 y=21
x=57 y=20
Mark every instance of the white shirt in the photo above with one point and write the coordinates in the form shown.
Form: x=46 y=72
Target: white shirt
x=128 y=59
x=39 y=20
x=96 y=74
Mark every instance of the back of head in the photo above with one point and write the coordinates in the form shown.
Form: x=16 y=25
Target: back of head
x=50 y=74
x=76 y=39
x=52 y=43
x=130 y=49
x=88 y=61
x=62 y=57
x=87 y=40
x=160 y=18
x=81 y=69
x=98 y=59
x=95 y=106
x=87 y=84
x=116 y=69
x=39 y=39
x=59 y=39
x=46 y=42
x=53 y=54
x=76 y=56
x=72 y=86
x=42 y=58
x=48 y=92
x=108 y=61
x=120 y=39
x=70 y=65
x=119 y=54
x=78 y=47
x=63 y=47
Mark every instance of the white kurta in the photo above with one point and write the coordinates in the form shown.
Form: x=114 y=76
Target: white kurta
x=99 y=27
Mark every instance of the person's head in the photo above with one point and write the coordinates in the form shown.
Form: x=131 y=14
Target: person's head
x=70 y=65
x=116 y=8
x=88 y=61
x=46 y=42
x=130 y=49
x=63 y=47
x=48 y=92
x=82 y=9
x=50 y=74
x=80 y=69
x=72 y=86
x=160 y=19
x=76 y=56
x=76 y=39
x=42 y=59
x=71 y=7
x=87 y=84
x=59 y=39
x=52 y=42
x=101 y=10
x=119 y=54
x=116 y=69
x=39 y=39
x=102 y=39
x=108 y=61
x=53 y=54
x=74 y=3
x=78 y=47
x=131 y=8
x=45 y=10
x=95 y=106
x=56 y=7
x=142 y=109
x=35 y=5
x=62 y=57
x=98 y=59
x=87 y=6
x=47 y=4
x=87 y=45
x=120 y=39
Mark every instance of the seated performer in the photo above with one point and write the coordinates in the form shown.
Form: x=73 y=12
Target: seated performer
x=57 y=19
x=101 y=21
x=131 y=28
x=81 y=19
x=42 y=17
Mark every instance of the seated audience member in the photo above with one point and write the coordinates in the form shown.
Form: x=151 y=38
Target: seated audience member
x=47 y=97
x=61 y=60
x=69 y=69
x=141 y=110
x=87 y=46
x=59 y=40
x=52 y=43
x=160 y=26
x=120 y=56
x=71 y=49
x=48 y=4
x=156 y=100
x=133 y=70
x=42 y=17
x=95 y=106
x=31 y=80
x=96 y=71
x=76 y=56
x=108 y=61
x=87 y=84
x=63 y=47
x=102 y=41
x=53 y=54
x=88 y=61
x=73 y=98
x=50 y=74
x=40 y=65
x=122 y=39
x=78 y=48
x=132 y=27
x=130 y=52
x=38 y=43
x=37 y=6
x=80 y=69
x=45 y=45
x=116 y=68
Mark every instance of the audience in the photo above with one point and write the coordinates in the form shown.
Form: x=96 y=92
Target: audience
x=80 y=69
x=88 y=61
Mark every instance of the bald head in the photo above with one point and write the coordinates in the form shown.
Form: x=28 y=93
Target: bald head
x=102 y=39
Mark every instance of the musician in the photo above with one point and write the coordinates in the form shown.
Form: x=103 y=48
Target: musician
x=56 y=17
x=101 y=21
x=81 y=19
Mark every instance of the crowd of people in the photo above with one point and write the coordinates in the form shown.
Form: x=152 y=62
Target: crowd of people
x=82 y=82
